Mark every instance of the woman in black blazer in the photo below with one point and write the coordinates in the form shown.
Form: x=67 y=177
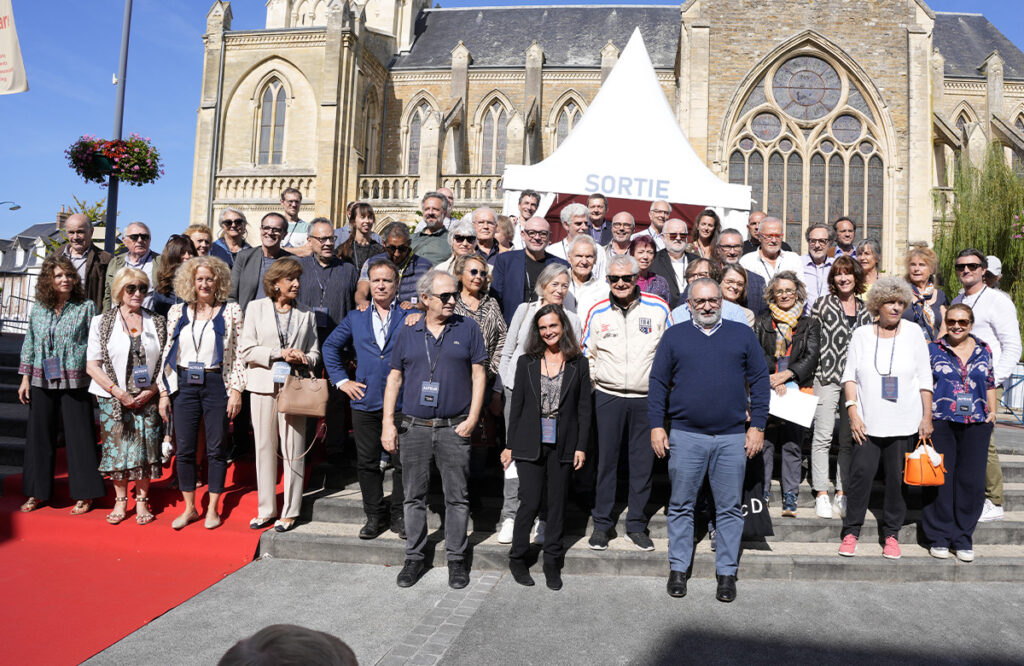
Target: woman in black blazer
x=549 y=427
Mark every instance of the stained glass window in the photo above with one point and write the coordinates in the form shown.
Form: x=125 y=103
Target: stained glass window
x=856 y=180
x=415 y=130
x=817 y=188
x=737 y=168
x=776 y=185
x=567 y=119
x=876 y=199
x=766 y=126
x=755 y=178
x=493 y=139
x=794 y=199
x=836 y=187
x=846 y=128
x=806 y=87
x=272 y=114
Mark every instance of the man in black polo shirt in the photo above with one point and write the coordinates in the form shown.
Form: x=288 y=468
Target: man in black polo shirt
x=438 y=363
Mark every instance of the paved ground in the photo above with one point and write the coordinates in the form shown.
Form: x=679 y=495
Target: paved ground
x=593 y=620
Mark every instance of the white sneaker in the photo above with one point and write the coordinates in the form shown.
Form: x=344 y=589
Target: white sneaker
x=505 y=535
x=965 y=555
x=839 y=506
x=991 y=512
x=538 y=532
x=822 y=506
x=939 y=552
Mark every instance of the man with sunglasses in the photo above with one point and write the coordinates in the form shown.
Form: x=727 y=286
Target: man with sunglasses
x=619 y=340
x=90 y=261
x=438 y=367
x=411 y=267
x=232 y=239
x=431 y=242
x=671 y=262
x=995 y=322
x=251 y=264
x=516 y=272
x=136 y=239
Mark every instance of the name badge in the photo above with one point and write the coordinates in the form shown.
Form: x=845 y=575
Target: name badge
x=548 y=430
x=281 y=371
x=782 y=364
x=429 y=393
x=964 y=403
x=51 y=369
x=140 y=374
x=890 y=388
x=196 y=373
x=321 y=317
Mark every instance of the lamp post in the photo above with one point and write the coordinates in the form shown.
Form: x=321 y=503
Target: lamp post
x=110 y=237
x=14 y=207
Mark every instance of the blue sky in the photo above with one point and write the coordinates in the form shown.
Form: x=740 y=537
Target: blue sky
x=71 y=51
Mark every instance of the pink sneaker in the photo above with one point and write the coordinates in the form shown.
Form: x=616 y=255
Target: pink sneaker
x=849 y=546
x=891 y=551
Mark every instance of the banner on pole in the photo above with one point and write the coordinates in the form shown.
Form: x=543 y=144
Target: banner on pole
x=12 y=69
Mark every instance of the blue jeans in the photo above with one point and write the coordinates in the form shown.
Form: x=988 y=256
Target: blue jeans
x=724 y=460
x=417 y=447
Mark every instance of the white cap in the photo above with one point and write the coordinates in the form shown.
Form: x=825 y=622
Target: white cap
x=995 y=267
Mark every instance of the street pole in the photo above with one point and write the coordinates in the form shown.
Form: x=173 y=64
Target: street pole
x=110 y=239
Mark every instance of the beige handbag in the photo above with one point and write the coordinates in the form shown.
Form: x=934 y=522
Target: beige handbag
x=303 y=396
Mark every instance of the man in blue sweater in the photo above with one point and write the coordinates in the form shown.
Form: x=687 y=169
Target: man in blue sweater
x=705 y=418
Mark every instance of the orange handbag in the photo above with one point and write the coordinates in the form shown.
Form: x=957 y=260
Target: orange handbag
x=924 y=466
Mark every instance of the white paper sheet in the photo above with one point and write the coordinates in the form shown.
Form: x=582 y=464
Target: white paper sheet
x=795 y=406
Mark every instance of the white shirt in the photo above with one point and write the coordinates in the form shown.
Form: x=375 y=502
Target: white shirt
x=118 y=347
x=146 y=266
x=786 y=261
x=296 y=234
x=585 y=296
x=659 y=239
x=679 y=266
x=561 y=250
x=905 y=357
x=78 y=262
x=193 y=333
x=995 y=322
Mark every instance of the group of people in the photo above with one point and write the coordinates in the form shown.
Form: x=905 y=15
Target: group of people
x=479 y=334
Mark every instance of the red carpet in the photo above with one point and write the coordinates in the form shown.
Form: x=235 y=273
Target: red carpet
x=74 y=585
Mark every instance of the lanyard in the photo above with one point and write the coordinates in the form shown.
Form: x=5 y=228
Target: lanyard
x=323 y=287
x=283 y=335
x=892 y=354
x=426 y=346
x=769 y=273
x=385 y=322
x=54 y=322
x=202 y=331
x=980 y=294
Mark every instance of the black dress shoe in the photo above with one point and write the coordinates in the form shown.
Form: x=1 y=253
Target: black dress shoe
x=520 y=572
x=373 y=528
x=676 y=584
x=410 y=573
x=398 y=525
x=553 y=576
x=458 y=575
x=726 y=588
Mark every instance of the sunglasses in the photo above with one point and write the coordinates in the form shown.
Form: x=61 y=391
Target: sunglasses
x=233 y=223
x=135 y=238
x=323 y=239
x=475 y=272
x=533 y=233
x=464 y=239
x=275 y=231
x=395 y=249
x=132 y=288
x=967 y=267
x=613 y=279
x=676 y=236
x=963 y=323
x=446 y=296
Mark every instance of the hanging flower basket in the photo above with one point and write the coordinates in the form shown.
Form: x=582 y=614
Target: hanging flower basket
x=134 y=160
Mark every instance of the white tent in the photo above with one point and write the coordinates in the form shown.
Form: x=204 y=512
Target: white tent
x=628 y=145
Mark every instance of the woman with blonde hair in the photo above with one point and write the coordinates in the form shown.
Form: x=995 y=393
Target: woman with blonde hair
x=202 y=377
x=123 y=359
x=278 y=338
x=928 y=309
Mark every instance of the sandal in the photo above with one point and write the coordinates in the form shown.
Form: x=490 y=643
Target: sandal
x=81 y=506
x=259 y=523
x=115 y=517
x=31 y=504
x=143 y=518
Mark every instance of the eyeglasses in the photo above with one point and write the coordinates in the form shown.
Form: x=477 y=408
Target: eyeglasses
x=464 y=239
x=446 y=296
x=676 y=236
x=135 y=238
x=621 y=225
x=535 y=233
x=785 y=292
x=476 y=271
x=396 y=249
x=731 y=246
x=700 y=274
x=660 y=212
x=132 y=288
x=323 y=240
x=274 y=231
x=771 y=236
x=817 y=241
x=967 y=267
x=237 y=222
x=613 y=279
x=701 y=302
x=963 y=323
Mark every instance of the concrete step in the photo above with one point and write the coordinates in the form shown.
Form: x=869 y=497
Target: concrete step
x=12 y=451
x=9 y=393
x=13 y=419
x=9 y=374
x=334 y=542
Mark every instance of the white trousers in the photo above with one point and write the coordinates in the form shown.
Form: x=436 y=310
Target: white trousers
x=269 y=428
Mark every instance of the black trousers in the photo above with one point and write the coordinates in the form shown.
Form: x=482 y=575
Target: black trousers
x=951 y=511
x=208 y=403
x=890 y=450
x=534 y=477
x=337 y=429
x=366 y=428
x=75 y=408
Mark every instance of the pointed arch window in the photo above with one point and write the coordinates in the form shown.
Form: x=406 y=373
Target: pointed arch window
x=416 y=120
x=272 y=107
x=809 y=145
x=568 y=117
x=493 y=139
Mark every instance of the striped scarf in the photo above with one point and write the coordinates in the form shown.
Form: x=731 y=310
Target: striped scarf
x=785 y=322
x=922 y=311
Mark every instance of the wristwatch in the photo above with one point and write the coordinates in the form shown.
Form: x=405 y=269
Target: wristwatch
x=850 y=403
x=759 y=428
